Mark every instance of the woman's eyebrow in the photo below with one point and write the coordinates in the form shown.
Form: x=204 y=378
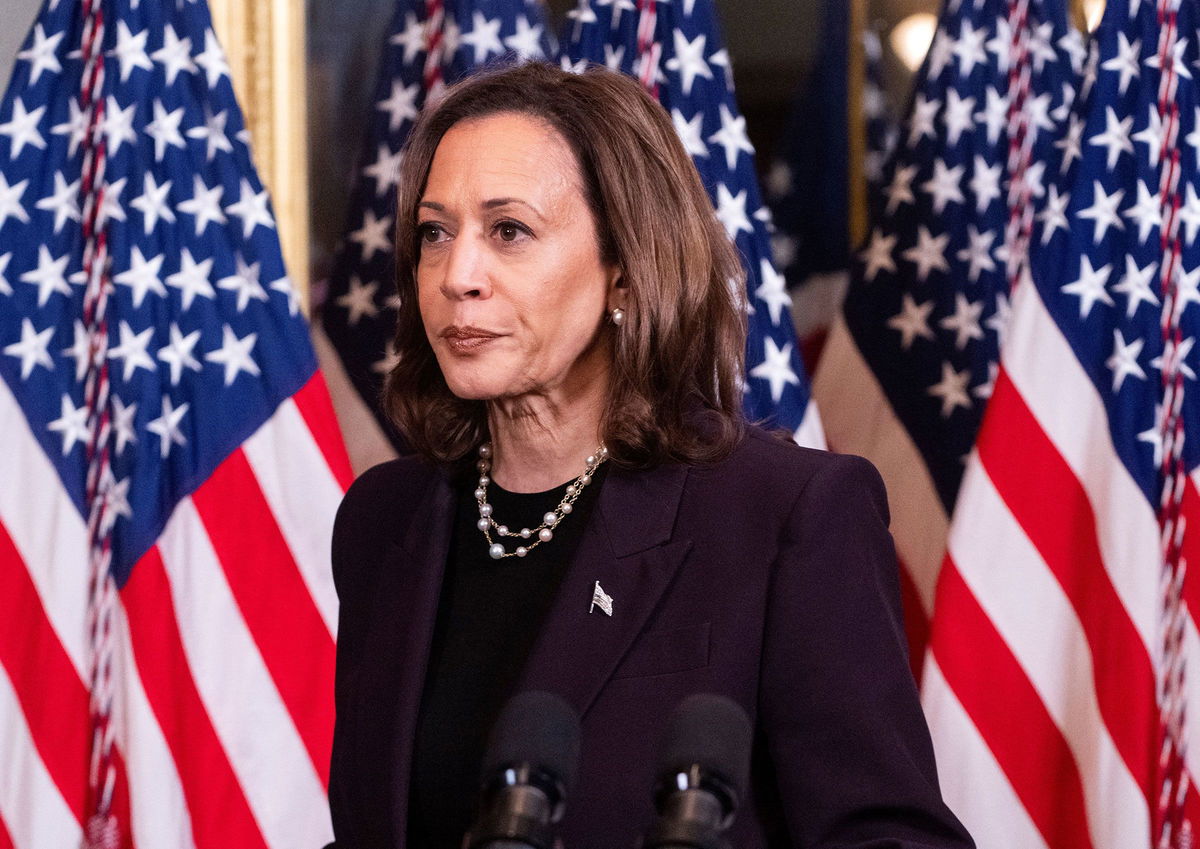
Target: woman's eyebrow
x=498 y=202
x=493 y=203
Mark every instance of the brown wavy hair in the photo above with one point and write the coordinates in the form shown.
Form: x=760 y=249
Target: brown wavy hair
x=675 y=391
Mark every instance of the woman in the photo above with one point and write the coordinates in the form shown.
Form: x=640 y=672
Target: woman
x=570 y=354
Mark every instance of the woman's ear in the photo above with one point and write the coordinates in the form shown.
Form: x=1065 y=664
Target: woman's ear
x=618 y=292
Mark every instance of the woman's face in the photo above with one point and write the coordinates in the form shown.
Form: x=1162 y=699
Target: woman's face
x=511 y=287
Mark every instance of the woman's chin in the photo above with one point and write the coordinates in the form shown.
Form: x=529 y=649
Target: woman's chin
x=476 y=379
x=475 y=387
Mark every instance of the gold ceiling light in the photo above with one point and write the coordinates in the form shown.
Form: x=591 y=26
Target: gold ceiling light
x=911 y=37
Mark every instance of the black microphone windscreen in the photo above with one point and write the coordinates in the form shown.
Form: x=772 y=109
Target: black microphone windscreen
x=537 y=728
x=712 y=731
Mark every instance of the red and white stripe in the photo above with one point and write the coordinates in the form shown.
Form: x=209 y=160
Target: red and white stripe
x=1020 y=142
x=648 y=46
x=982 y=785
x=223 y=649
x=1046 y=639
x=1173 y=825
x=102 y=829
x=435 y=49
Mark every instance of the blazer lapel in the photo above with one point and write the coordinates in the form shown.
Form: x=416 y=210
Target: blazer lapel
x=402 y=627
x=628 y=549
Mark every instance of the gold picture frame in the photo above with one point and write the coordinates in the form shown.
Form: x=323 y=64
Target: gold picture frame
x=264 y=42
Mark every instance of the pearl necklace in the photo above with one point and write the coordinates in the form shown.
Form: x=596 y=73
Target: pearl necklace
x=543 y=532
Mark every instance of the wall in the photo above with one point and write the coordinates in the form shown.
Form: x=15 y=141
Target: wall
x=17 y=16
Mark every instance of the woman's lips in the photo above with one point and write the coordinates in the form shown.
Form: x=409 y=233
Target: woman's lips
x=466 y=340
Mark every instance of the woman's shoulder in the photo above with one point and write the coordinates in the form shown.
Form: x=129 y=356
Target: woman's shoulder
x=769 y=458
x=374 y=515
x=387 y=491
x=768 y=474
x=393 y=477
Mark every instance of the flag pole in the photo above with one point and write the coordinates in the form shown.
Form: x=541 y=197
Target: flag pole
x=264 y=43
x=1078 y=15
x=856 y=125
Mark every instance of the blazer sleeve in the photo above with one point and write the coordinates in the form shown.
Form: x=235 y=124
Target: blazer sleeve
x=355 y=556
x=838 y=705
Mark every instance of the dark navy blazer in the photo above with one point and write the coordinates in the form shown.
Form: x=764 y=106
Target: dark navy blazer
x=769 y=577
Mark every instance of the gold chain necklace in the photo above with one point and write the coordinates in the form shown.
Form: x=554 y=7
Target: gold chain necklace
x=543 y=532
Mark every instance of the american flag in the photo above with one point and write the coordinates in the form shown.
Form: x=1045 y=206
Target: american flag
x=431 y=43
x=1063 y=682
x=882 y=132
x=675 y=50
x=171 y=463
x=906 y=372
x=809 y=184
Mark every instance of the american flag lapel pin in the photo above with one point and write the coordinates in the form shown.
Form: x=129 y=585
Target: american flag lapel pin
x=602 y=600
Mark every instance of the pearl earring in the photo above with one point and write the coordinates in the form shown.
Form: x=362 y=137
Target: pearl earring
x=618 y=316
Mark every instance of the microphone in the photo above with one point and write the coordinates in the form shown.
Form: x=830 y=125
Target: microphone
x=528 y=771
x=705 y=765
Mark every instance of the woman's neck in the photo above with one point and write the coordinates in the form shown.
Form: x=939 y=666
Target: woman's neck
x=538 y=444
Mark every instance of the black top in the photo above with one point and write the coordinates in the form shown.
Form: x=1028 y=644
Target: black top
x=489 y=614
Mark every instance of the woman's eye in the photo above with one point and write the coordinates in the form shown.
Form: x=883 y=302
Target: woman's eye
x=430 y=232
x=509 y=232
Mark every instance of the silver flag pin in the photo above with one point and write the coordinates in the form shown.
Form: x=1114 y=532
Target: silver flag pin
x=602 y=600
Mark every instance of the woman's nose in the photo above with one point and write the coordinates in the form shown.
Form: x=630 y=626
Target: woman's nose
x=466 y=270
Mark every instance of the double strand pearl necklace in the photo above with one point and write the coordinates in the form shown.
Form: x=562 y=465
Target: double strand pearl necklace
x=543 y=532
